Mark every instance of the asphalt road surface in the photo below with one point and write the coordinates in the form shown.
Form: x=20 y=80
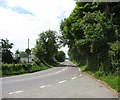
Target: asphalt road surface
x=63 y=81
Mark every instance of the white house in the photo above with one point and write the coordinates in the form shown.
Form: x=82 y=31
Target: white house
x=25 y=59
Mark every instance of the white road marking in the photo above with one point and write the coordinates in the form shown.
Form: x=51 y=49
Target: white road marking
x=73 y=78
x=16 y=92
x=38 y=76
x=61 y=70
x=45 y=86
x=62 y=81
x=80 y=75
x=48 y=85
x=42 y=86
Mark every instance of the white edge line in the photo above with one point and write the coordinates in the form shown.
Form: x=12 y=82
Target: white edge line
x=16 y=92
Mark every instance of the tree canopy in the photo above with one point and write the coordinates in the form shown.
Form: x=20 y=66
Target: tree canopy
x=46 y=46
x=6 y=53
x=92 y=34
x=60 y=56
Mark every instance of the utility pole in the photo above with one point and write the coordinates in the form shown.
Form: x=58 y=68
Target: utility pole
x=28 y=49
x=28 y=43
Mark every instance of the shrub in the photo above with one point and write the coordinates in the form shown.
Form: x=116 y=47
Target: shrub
x=11 y=69
x=60 y=56
x=15 y=69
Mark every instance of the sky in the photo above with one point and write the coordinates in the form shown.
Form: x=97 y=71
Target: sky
x=23 y=19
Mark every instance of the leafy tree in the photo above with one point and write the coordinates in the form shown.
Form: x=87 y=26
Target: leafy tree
x=28 y=51
x=0 y=52
x=6 y=53
x=17 y=56
x=17 y=53
x=46 y=46
x=91 y=33
x=114 y=54
x=60 y=56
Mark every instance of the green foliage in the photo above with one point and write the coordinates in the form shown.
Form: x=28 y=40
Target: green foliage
x=16 y=69
x=111 y=80
x=28 y=51
x=114 y=54
x=17 y=53
x=60 y=56
x=17 y=60
x=92 y=35
x=6 y=53
x=46 y=46
x=17 y=56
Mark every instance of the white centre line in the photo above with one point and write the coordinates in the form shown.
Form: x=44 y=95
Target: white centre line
x=16 y=92
x=62 y=81
x=42 y=86
x=80 y=75
x=48 y=85
x=73 y=78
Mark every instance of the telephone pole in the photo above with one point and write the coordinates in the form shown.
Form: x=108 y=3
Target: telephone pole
x=28 y=43
x=28 y=49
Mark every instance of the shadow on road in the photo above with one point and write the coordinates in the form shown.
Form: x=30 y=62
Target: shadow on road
x=65 y=65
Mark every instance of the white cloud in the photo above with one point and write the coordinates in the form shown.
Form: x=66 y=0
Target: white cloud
x=46 y=14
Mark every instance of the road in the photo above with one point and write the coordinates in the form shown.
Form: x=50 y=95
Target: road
x=63 y=81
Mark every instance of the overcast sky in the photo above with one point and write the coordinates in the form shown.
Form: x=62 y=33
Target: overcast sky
x=23 y=19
